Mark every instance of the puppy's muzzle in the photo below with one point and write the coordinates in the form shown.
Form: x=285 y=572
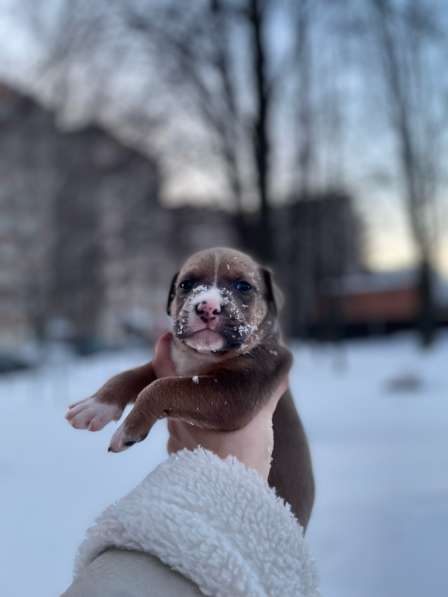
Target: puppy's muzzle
x=207 y=310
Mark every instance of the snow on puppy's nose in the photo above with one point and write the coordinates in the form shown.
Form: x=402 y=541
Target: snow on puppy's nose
x=207 y=311
x=208 y=304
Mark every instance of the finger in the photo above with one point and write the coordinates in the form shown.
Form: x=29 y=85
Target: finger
x=270 y=405
x=180 y=433
x=173 y=445
x=283 y=387
x=163 y=345
x=190 y=436
x=162 y=362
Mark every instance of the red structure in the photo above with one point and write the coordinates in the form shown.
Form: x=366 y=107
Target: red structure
x=375 y=302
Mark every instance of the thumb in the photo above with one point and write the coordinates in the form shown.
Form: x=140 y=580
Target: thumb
x=162 y=362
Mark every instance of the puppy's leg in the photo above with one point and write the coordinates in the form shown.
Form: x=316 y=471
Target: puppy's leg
x=224 y=401
x=108 y=403
x=291 y=472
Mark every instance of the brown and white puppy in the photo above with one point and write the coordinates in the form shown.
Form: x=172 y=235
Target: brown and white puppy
x=229 y=359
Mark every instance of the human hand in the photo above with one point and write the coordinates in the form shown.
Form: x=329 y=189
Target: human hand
x=252 y=445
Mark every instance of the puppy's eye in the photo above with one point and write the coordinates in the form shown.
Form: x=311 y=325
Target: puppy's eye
x=187 y=285
x=242 y=286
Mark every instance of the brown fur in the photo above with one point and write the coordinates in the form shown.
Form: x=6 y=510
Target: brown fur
x=233 y=382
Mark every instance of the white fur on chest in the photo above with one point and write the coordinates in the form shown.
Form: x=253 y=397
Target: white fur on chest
x=188 y=362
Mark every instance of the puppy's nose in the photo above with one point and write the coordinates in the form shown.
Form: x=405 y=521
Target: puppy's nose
x=207 y=310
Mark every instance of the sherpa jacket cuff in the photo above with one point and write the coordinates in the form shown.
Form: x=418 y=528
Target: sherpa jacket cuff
x=216 y=522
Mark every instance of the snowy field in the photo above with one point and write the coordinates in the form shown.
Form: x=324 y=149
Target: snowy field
x=381 y=460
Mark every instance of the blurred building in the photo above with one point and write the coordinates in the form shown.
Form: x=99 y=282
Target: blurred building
x=87 y=251
x=319 y=238
x=194 y=228
x=78 y=211
x=25 y=214
x=369 y=303
x=179 y=231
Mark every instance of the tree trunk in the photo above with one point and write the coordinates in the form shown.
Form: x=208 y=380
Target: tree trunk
x=427 y=325
x=261 y=143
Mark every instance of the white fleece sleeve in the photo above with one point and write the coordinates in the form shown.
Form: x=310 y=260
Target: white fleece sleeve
x=214 y=521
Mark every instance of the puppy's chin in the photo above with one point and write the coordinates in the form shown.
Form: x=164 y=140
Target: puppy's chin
x=205 y=341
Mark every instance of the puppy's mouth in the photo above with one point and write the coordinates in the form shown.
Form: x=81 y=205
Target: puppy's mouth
x=205 y=341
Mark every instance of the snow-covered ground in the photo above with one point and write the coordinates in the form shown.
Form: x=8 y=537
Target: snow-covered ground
x=381 y=460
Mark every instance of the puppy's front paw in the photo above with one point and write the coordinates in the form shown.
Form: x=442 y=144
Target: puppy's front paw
x=123 y=438
x=92 y=414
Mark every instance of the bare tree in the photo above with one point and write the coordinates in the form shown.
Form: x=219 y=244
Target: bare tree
x=305 y=108
x=301 y=191
x=231 y=70
x=199 y=58
x=404 y=33
x=256 y=14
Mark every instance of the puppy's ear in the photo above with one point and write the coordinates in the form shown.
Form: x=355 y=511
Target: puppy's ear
x=274 y=295
x=171 y=294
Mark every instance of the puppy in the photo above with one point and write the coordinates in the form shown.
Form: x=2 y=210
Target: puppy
x=229 y=358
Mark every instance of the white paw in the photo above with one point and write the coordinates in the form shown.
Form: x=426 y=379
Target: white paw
x=92 y=414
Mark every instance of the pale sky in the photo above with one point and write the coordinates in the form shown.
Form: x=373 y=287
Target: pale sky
x=388 y=240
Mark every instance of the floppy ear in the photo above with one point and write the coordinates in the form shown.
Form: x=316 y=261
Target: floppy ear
x=171 y=293
x=274 y=295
